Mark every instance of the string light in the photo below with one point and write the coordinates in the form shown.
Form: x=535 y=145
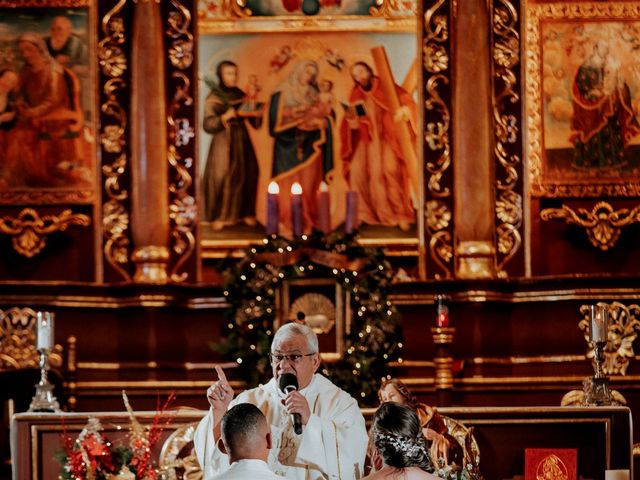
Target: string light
x=230 y=325
x=238 y=360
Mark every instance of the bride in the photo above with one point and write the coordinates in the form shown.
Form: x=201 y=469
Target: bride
x=399 y=450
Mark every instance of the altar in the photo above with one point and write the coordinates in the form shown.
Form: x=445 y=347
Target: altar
x=601 y=437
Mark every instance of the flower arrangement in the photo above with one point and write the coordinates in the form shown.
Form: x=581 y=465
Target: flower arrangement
x=92 y=456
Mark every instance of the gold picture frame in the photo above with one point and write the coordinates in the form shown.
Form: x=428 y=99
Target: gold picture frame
x=326 y=307
x=582 y=96
x=333 y=43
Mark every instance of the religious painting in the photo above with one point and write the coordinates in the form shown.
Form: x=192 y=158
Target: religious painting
x=332 y=111
x=583 y=99
x=212 y=9
x=47 y=133
x=323 y=305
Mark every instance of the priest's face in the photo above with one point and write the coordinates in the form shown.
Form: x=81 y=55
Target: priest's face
x=303 y=367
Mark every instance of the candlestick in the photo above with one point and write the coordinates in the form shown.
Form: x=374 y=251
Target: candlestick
x=44 y=400
x=296 y=209
x=44 y=330
x=272 y=209
x=324 y=221
x=442 y=311
x=351 y=218
x=599 y=316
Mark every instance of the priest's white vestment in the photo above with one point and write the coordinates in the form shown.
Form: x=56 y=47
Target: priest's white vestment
x=332 y=446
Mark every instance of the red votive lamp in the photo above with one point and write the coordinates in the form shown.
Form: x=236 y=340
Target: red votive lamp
x=442 y=311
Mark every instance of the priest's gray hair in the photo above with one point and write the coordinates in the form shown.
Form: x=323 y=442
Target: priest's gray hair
x=294 y=329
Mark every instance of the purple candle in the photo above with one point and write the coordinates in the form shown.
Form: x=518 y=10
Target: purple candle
x=272 y=208
x=296 y=209
x=351 y=218
x=324 y=222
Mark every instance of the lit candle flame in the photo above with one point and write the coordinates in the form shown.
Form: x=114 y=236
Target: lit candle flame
x=324 y=187
x=296 y=189
x=273 y=188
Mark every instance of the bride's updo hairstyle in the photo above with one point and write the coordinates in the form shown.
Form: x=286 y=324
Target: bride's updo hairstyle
x=397 y=435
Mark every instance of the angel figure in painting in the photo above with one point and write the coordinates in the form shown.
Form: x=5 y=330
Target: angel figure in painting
x=231 y=173
x=603 y=121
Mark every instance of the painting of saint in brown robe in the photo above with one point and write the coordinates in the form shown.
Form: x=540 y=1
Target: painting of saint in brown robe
x=231 y=171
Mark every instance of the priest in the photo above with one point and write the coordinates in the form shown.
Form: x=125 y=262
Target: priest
x=332 y=439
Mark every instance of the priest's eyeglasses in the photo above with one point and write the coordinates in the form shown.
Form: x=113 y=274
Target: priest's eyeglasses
x=276 y=358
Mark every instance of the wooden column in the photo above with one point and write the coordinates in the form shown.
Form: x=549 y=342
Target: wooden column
x=473 y=140
x=149 y=171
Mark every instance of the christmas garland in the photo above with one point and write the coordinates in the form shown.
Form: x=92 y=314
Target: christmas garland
x=250 y=288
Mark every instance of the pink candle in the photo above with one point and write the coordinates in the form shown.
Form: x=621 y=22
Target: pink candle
x=324 y=222
x=272 y=209
x=351 y=218
x=296 y=209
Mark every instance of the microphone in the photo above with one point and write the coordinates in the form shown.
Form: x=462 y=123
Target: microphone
x=287 y=383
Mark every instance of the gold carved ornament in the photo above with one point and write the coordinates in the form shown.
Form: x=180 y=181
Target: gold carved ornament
x=622 y=332
x=182 y=205
x=29 y=230
x=387 y=8
x=603 y=224
x=438 y=213
x=115 y=217
x=506 y=58
x=18 y=340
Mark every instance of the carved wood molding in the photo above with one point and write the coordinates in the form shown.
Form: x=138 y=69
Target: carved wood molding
x=29 y=231
x=603 y=224
x=438 y=196
x=113 y=139
x=506 y=62
x=183 y=210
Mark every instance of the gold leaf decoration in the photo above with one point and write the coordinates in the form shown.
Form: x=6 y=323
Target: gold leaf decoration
x=602 y=224
x=29 y=231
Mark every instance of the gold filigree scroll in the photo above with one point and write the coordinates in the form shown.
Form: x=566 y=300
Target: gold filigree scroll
x=387 y=8
x=18 y=340
x=537 y=15
x=623 y=330
x=115 y=217
x=506 y=57
x=29 y=231
x=438 y=206
x=182 y=207
x=602 y=223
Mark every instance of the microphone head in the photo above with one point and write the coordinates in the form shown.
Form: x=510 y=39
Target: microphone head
x=288 y=382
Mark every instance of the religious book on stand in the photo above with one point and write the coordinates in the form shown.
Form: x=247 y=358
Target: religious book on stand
x=355 y=109
x=550 y=463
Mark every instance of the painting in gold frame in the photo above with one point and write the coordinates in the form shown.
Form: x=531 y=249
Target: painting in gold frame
x=332 y=52
x=583 y=99
x=323 y=305
x=47 y=124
